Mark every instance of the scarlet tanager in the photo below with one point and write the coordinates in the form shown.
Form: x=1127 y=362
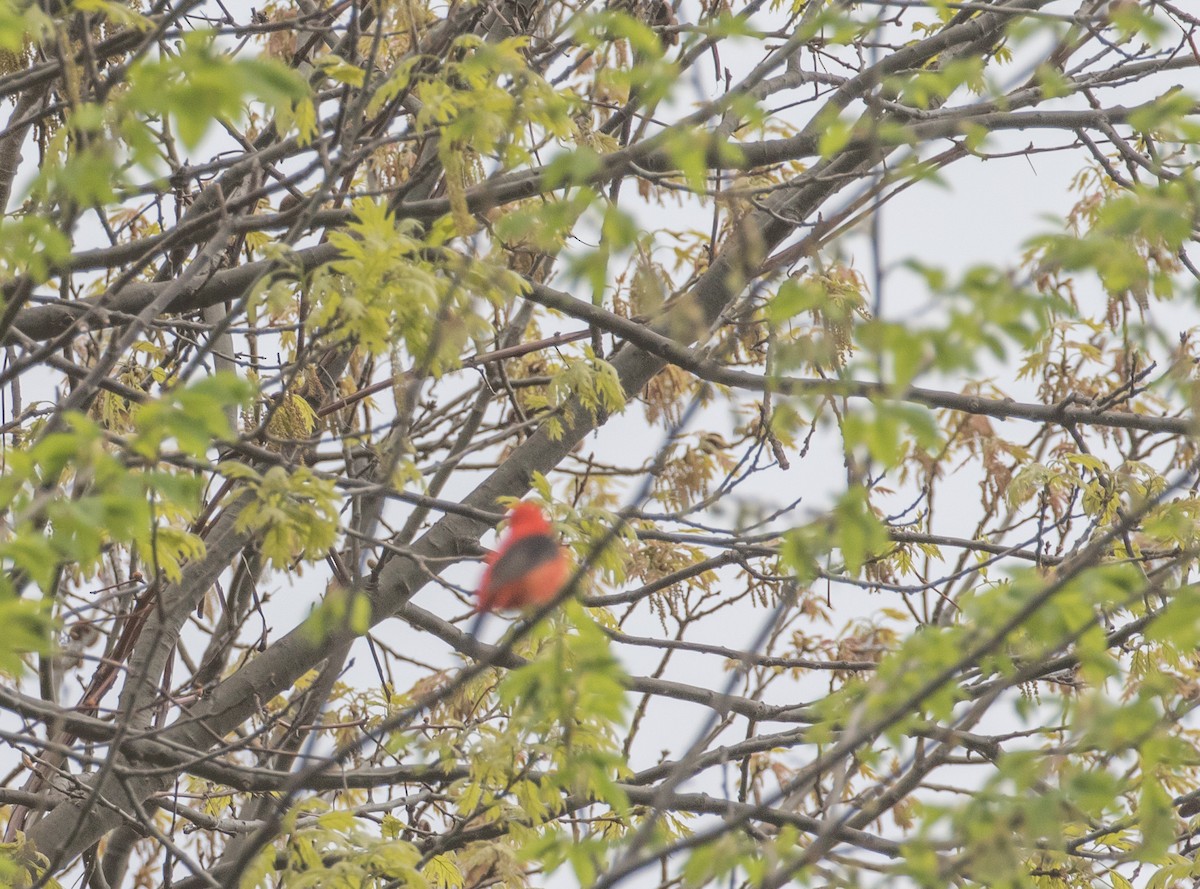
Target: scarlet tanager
x=527 y=569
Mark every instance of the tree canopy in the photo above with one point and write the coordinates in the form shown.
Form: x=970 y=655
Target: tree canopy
x=882 y=559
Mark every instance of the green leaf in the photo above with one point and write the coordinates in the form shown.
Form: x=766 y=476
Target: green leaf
x=574 y=167
x=835 y=135
x=1156 y=816
x=857 y=531
x=295 y=514
x=443 y=873
x=27 y=630
x=198 y=86
x=336 y=68
x=795 y=297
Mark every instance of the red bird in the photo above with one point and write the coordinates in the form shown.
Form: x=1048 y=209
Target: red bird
x=529 y=566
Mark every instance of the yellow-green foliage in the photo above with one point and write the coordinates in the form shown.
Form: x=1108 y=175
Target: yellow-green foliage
x=294 y=513
x=388 y=290
x=565 y=708
x=22 y=866
x=589 y=380
x=331 y=847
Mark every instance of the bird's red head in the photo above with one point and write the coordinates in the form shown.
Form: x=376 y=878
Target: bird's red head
x=527 y=518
